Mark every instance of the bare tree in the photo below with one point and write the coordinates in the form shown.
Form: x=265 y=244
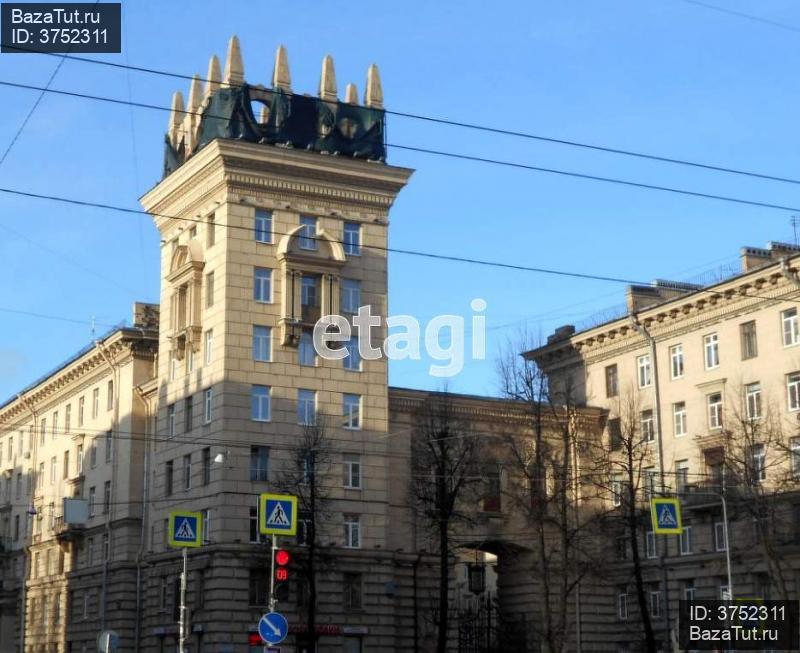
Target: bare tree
x=627 y=475
x=756 y=473
x=307 y=477
x=444 y=459
x=546 y=452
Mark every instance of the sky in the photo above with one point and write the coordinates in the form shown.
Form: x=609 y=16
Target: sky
x=675 y=78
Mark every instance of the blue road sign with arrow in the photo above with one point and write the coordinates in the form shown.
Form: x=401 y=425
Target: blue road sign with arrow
x=273 y=628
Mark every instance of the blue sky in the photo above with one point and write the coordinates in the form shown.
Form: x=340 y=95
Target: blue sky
x=664 y=76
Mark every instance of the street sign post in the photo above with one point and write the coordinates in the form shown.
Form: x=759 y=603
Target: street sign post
x=185 y=532
x=665 y=513
x=273 y=628
x=277 y=514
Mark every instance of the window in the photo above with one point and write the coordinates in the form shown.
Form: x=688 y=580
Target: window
x=259 y=463
x=92 y=498
x=209 y=345
x=794 y=444
x=748 y=339
x=352 y=238
x=109 y=446
x=720 y=541
x=676 y=361
x=95 y=402
x=106 y=497
x=352 y=531
x=258 y=586
x=305 y=351
x=65 y=469
x=622 y=605
x=650 y=545
x=262 y=339
x=53 y=469
x=645 y=371
x=54 y=426
x=689 y=590
x=351 y=296
x=306 y=407
x=793 y=390
x=724 y=595
x=255 y=536
x=686 y=541
x=621 y=548
x=752 y=396
x=309 y=290
x=650 y=482
x=187 y=472
x=67 y=419
x=351 y=591
x=188 y=417
x=260 y=396
x=206 y=515
x=169 y=473
x=81 y=407
x=647 y=426
x=209 y=290
x=714 y=410
x=758 y=457
x=711 y=348
x=351 y=406
x=40 y=477
x=262 y=285
x=171 y=421
x=43 y=431
x=681 y=475
x=308 y=233
x=163 y=591
x=655 y=603
x=206 y=465
x=353 y=359
x=79 y=459
x=263 y=230
x=612 y=381
x=616 y=489
x=211 y=231
x=679 y=418
x=305 y=526
x=352 y=471
x=791 y=327
x=208 y=397
x=614 y=433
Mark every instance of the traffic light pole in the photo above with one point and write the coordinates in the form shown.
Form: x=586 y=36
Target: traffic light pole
x=271 y=576
x=182 y=617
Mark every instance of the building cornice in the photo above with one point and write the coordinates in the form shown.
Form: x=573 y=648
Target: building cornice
x=673 y=318
x=121 y=346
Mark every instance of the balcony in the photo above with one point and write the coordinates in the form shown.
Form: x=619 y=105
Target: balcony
x=67 y=532
x=700 y=496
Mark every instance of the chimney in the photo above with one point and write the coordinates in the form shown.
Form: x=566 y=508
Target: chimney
x=753 y=257
x=661 y=290
x=145 y=316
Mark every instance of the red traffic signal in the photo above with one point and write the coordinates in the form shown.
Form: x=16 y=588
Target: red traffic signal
x=281 y=574
x=282 y=557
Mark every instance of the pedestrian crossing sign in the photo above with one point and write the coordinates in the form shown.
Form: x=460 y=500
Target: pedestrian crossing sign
x=666 y=515
x=185 y=529
x=277 y=514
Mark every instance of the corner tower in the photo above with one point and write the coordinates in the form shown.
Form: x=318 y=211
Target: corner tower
x=273 y=211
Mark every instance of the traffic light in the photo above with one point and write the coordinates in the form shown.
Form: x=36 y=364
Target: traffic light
x=282 y=559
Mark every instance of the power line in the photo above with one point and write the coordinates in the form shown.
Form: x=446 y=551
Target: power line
x=512 y=164
x=394 y=250
x=465 y=125
x=741 y=14
x=59 y=318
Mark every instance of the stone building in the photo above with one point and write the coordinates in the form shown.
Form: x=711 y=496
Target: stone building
x=707 y=380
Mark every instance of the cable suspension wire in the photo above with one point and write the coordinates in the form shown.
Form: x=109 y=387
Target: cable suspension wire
x=466 y=125
x=465 y=157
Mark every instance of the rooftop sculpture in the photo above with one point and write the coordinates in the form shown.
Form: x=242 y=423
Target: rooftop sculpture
x=223 y=108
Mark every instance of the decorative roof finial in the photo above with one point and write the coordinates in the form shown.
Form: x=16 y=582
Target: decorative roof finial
x=327 y=82
x=195 y=94
x=351 y=94
x=213 y=77
x=234 y=68
x=373 y=96
x=280 y=74
x=175 y=117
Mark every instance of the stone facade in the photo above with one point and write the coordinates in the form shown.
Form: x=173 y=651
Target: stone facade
x=708 y=379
